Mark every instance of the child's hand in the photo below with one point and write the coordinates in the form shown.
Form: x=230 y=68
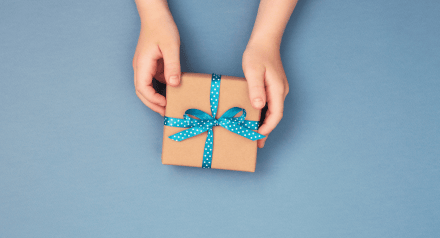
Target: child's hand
x=267 y=82
x=262 y=64
x=157 y=54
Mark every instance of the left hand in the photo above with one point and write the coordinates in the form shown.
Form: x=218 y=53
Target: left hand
x=267 y=82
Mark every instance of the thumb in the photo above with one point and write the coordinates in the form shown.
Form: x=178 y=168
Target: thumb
x=257 y=91
x=171 y=61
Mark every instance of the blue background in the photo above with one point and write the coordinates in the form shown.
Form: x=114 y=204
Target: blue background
x=356 y=155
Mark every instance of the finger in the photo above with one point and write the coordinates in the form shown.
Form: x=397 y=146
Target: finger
x=152 y=106
x=275 y=104
x=145 y=70
x=261 y=142
x=255 y=81
x=171 y=60
x=159 y=76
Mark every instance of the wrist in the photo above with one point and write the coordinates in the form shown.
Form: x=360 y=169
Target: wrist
x=264 y=42
x=153 y=10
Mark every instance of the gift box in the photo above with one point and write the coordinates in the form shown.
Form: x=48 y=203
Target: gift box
x=210 y=123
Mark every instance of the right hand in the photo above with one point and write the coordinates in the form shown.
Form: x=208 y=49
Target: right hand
x=157 y=55
x=267 y=82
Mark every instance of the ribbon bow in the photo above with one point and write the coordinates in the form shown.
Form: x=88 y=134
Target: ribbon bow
x=205 y=122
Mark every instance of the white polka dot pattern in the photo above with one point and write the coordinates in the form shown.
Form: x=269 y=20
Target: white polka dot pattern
x=215 y=89
x=206 y=122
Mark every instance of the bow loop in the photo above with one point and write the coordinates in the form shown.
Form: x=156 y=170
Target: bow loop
x=198 y=114
x=230 y=114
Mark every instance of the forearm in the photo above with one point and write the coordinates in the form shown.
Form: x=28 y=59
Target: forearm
x=271 y=21
x=152 y=9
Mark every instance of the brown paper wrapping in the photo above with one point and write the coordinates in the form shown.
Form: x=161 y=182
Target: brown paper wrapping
x=230 y=151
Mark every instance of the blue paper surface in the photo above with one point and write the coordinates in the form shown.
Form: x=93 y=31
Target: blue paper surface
x=356 y=155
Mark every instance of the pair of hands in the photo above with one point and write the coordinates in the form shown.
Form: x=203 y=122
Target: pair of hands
x=158 y=55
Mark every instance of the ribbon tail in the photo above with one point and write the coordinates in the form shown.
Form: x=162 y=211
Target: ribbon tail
x=253 y=125
x=243 y=131
x=207 y=153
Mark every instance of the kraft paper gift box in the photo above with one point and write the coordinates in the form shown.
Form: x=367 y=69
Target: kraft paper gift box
x=226 y=149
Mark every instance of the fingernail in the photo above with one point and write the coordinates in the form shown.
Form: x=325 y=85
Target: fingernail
x=258 y=102
x=174 y=80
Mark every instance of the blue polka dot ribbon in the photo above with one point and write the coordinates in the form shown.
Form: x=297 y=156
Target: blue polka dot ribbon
x=206 y=122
